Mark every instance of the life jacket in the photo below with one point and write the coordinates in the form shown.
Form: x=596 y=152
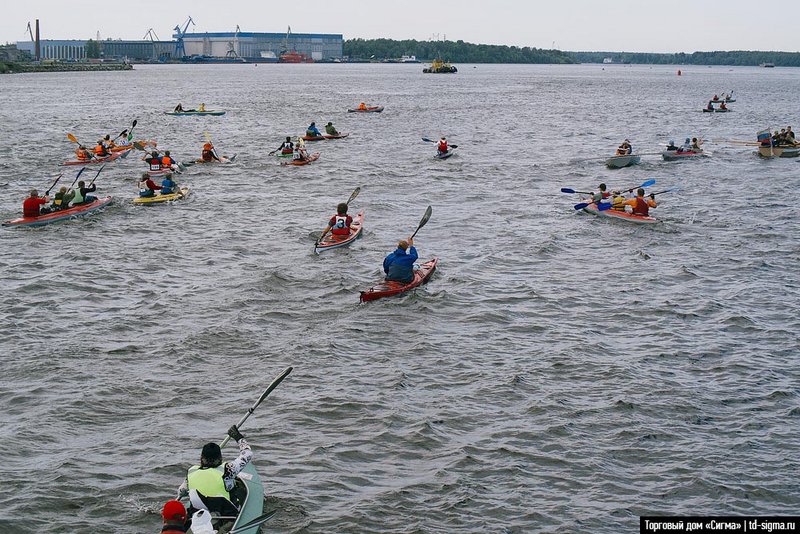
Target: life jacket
x=442 y=146
x=100 y=150
x=618 y=203
x=208 y=481
x=641 y=207
x=287 y=147
x=340 y=226
x=78 y=198
x=155 y=164
x=362 y=106
x=30 y=207
x=83 y=154
x=168 y=187
x=207 y=155
x=166 y=161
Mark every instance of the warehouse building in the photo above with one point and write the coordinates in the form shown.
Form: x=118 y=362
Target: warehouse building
x=263 y=46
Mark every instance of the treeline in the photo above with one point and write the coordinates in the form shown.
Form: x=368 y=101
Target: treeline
x=453 y=51
x=734 y=57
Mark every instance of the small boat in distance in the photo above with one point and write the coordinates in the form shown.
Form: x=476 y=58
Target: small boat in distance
x=439 y=67
x=767 y=65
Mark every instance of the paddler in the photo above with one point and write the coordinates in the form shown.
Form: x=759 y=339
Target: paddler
x=625 y=148
x=312 y=131
x=640 y=204
x=202 y=108
x=178 y=108
x=441 y=146
x=147 y=187
x=330 y=130
x=208 y=155
x=81 y=196
x=167 y=162
x=710 y=106
x=100 y=150
x=287 y=147
x=723 y=106
x=399 y=265
x=208 y=485
x=62 y=199
x=108 y=143
x=168 y=185
x=618 y=201
x=174 y=515
x=601 y=195
x=82 y=154
x=154 y=161
x=339 y=223
x=362 y=106
x=32 y=206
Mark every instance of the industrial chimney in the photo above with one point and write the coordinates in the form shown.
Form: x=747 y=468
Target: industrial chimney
x=38 y=47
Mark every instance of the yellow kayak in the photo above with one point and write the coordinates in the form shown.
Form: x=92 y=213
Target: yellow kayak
x=159 y=198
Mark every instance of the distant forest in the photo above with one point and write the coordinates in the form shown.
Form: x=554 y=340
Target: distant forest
x=453 y=51
x=461 y=52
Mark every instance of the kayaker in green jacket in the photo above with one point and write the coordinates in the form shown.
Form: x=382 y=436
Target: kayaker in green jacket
x=330 y=130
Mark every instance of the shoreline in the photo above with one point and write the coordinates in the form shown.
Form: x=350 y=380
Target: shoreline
x=12 y=67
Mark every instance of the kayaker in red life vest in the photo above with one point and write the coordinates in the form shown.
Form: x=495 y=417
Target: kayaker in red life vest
x=399 y=265
x=287 y=147
x=153 y=161
x=147 y=187
x=32 y=206
x=174 y=514
x=82 y=154
x=339 y=223
x=641 y=206
x=100 y=150
x=208 y=153
x=208 y=485
x=441 y=147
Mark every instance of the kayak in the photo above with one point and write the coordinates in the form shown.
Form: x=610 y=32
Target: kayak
x=388 y=289
x=143 y=144
x=158 y=198
x=74 y=212
x=223 y=159
x=370 y=109
x=190 y=113
x=674 y=155
x=284 y=154
x=618 y=214
x=445 y=155
x=337 y=241
x=323 y=137
x=312 y=157
x=164 y=172
x=618 y=162
x=95 y=161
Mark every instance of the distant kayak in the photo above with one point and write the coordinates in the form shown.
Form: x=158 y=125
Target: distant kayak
x=388 y=289
x=142 y=144
x=444 y=155
x=223 y=159
x=81 y=210
x=323 y=137
x=332 y=241
x=95 y=161
x=313 y=157
x=675 y=155
x=158 y=198
x=370 y=109
x=618 y=162
x=190 y=113
x=619 y=214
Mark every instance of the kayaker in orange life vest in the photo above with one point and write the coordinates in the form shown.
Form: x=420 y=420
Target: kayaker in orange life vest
x=100 y=150
x=174 y=515
x=640 y=204
x=339 y=223
x=166 y=161
x=208 y=153
x=82 y=154
x=362 y=106
x=441 y=146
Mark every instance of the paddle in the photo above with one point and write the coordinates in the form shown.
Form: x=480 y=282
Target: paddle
x=604 y=206
x=54 y=184
x=432 y=141
x=353 y=195
x=72 y=138
x=96 y=175
x=263 y=396
x=568 y=190
x=423 y=221
x=130 y=133
x=77 y=176
x=255 y=522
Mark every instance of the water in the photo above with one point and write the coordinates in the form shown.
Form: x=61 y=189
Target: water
x=560 y=373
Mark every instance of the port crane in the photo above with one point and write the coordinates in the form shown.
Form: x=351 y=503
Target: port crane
x=180 y=51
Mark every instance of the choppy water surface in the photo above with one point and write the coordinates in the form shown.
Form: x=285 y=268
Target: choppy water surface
x=560 y=373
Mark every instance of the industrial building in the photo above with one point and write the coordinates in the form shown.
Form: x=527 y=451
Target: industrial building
x=263 y=46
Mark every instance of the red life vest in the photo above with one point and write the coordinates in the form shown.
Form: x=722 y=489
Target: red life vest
x=155 y=164
x=207 y=155
x=641 y=207
x=341 y=224
x=442 y=146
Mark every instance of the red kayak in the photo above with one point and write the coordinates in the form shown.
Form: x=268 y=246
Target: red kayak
x=371 y=109
x=388 y=289
x=332 y=241
x=312 y=157
x=619 y=214
x=323 y=137
x=94 y=161
x=80 y=210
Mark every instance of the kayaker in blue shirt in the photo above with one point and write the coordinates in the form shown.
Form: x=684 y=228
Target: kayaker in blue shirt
x=399 y=265
x=168 y=186
x=313 y=131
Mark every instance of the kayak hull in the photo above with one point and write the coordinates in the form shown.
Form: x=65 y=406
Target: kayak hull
x=674 y=155
x=778 y=152
x=311 y=158
x=324 y=137
x=225 y=159
x=389 y=289
x=160 y=199
x=74 y=212
x=618 y=162
x=192 y=113
x=338 y=241
x=95 y=161
x=617 y=214
x=373 y=109
x=445 y=155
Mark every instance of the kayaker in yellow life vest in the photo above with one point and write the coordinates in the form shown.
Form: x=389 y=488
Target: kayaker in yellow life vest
x=209 y=484
x=202 y=108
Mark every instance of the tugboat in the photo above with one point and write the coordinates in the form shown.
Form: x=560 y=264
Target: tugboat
x=292 y=56
x=440 y=67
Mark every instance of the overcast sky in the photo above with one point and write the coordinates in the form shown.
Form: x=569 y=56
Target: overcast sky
x=602 y=25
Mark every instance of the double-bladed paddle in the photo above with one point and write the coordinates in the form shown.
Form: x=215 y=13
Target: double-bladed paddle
x=432 y=141
x=423 y=221
x=602 y=206
x=77 y=176
x=54 y=184
x=263 y=396
x=96 y=175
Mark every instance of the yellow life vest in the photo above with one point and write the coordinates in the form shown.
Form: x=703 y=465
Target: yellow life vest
x=208 y=481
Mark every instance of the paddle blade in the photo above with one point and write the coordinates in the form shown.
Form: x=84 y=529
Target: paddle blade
x=72 y=138
x=354 y=195
x=648 y=183
x=255 y=522
x=428 y=140
x=567 y=190
x=423 y=221
x=603 y=206
x=581 y=205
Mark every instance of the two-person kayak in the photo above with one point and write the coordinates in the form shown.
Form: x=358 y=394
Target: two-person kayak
x=594 y=209
x=332 y=241
x=159 y=198
x=81 y=210
x=311 y=158
x=324 y=137
x=211 y=113
x=388 y=289
x=94 y=161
